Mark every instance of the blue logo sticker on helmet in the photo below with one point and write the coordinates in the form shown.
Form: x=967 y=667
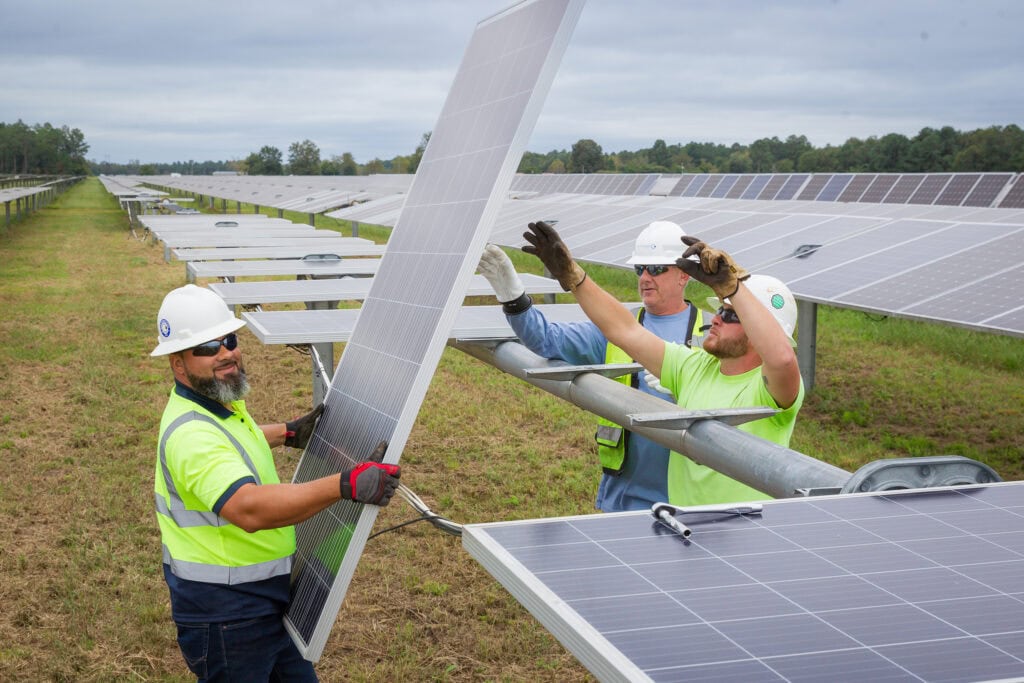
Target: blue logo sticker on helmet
x=777 y=301
x=165 y=328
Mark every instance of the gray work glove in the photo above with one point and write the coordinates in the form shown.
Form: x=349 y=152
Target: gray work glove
x=496 y=266
x=546 y=245
x=372 y=481
x=298 y=431
x=716 y=268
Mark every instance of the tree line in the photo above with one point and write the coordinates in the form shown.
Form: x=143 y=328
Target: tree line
x=996 y=148
x=42 y=149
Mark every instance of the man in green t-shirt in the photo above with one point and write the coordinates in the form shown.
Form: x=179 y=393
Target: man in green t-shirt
x=749 y=359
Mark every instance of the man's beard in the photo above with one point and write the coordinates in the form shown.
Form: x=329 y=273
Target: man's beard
x=727 y=348
x=234 y=388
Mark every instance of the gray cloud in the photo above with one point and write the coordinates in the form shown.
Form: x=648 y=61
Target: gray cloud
x=217 y=80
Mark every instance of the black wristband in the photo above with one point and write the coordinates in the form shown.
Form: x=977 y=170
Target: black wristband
x=517 y=306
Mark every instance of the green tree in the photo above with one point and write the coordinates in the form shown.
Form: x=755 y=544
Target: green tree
x=265 y=162
x=304 y=158
x=587 y=157
x=659 y=155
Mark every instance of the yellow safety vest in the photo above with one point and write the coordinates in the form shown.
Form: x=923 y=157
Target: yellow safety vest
x=611 y=437
x=198 y=544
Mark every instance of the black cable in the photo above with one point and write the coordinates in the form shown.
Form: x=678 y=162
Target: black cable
x=423 y=518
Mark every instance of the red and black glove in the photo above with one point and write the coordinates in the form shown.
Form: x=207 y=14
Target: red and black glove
x=372 y=481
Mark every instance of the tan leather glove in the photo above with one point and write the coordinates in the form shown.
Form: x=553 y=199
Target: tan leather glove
x=716 y=268
x=546 y=245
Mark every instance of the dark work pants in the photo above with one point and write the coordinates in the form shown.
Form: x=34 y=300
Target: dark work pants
x=249 y=651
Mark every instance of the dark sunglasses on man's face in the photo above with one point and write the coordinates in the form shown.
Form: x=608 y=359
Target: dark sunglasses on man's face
x=653 y=270
x=212 y=348
x=727 y=315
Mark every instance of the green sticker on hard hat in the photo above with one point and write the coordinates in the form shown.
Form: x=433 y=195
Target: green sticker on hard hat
x=778 y=301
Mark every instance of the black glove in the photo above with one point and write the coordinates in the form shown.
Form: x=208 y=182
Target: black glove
x=371 y=481
x=546 y=245
x=298 y=431
x=716 y=268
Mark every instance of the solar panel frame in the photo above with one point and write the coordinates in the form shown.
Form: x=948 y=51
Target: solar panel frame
x=388 y=363
x=899 y=585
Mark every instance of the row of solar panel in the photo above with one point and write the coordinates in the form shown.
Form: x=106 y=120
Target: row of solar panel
x=1002 y=190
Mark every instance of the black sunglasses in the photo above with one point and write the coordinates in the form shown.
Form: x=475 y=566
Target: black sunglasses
x=653 y=270
x=212 y=348
x=727 y=315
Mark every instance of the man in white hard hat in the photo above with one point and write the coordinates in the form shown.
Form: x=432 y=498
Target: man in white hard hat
x=749 y=359
x=634 y=468
x=226 y=521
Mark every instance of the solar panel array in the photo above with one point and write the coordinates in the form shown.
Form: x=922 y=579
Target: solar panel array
x=403 y=326
x=898 y=586
x=308 y=194
x=944 y=189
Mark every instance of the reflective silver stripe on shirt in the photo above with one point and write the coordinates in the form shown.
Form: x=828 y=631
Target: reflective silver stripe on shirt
x=176 y=510
x=211 y=573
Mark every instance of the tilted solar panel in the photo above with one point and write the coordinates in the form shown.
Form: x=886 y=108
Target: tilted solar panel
x=957 y=189
x=813 y=187
x=401 y=331
x=1014 y=199
x=878 y=189
x=987 y=189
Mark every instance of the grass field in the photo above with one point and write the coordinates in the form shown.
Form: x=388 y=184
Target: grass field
x=80 y=403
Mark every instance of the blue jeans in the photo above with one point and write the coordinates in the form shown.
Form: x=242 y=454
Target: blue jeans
x=247 y=651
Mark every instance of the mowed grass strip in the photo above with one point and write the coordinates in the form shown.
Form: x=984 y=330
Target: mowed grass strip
x=80 y=403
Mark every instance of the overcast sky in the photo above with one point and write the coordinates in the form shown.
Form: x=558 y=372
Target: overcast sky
x=218 y=79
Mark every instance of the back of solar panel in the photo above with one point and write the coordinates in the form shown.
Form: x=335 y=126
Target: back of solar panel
x=403 y=326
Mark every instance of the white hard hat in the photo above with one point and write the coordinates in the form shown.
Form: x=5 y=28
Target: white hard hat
x=773 y=295
x=659 y=244
x=190 y=316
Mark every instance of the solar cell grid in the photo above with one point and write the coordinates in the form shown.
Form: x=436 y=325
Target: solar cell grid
x=879 y=188
x=772 y=187
x=1014 y=199
x=739 y=186
x=876 y=587
x=724 y=186
x=756 y=186
x=695 y=186
x=904 y=187
x=857 y=187
x=945 y=265
x=833 y=187
x=680 y=188
x=929 y=188
x=956 y=191
x=987 y=189
x=813 y=187
x=792 y=186
x=709 y=186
